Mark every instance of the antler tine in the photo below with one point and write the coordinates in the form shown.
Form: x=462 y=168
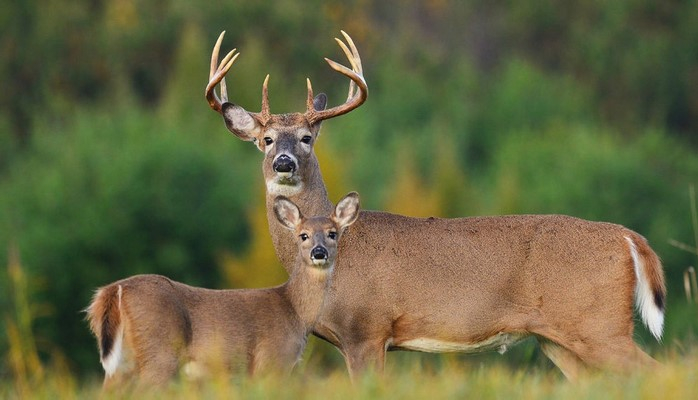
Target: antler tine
x=353 y=55
x=217 y=75
x=265 y=114
x=226 y=63
x=214 y=55
x=309 y=101
x=224 y=92
x=355 y=97
x=356 y=65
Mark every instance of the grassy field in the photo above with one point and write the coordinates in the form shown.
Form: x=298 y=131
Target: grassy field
x=522 y=373
x=450 y=378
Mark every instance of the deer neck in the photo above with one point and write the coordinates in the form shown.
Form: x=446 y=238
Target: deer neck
x=311 y=199
x=305 y=290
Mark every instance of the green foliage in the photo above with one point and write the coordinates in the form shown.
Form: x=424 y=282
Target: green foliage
x=109 y=197
x=111 y=163
x=523 y=97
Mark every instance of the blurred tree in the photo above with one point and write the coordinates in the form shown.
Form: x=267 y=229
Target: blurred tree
x=258 y=266
x=410 y=194
x=129 y=200
x=111 y=162
x=21 y=61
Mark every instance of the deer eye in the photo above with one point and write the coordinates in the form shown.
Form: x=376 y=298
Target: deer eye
x=268 y=141
x=332 y=235
x=304 y=236
x=306 y=139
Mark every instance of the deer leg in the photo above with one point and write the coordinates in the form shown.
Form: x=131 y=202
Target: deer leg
x=364 y=357
x=645 y=359
x=118 y=381
x=160 y=369
x=621 y=355
x=157 y=356
x=568 y=362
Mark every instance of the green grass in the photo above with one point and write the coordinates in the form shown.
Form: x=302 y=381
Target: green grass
x=520 y=374
x=674 y=379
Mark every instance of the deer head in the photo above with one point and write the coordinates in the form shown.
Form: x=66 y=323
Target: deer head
x=317 y=236
x=285 y=139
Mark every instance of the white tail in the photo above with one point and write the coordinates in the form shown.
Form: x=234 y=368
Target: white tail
x=148 y=327
x=466 y=284
x=648 y=300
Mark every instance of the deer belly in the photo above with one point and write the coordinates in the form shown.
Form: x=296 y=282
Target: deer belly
x=500 y=342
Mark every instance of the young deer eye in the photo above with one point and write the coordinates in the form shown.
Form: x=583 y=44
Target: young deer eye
x=268 y=141
x=332 y=235
x=306 y=139
x=304 y=236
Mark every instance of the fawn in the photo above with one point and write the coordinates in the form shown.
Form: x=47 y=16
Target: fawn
x=148 y=327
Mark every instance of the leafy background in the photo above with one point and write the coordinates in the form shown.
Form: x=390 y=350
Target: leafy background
x=112 y=164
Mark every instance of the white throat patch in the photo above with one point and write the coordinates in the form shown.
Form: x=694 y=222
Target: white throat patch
x=277 y=189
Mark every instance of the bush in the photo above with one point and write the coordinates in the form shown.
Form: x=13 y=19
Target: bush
x=111 y=197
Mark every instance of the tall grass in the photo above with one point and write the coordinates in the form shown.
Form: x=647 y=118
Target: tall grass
x=28 y=376
x=451 y=377
x=22 y=358
x=689 y=275
x=675 y=379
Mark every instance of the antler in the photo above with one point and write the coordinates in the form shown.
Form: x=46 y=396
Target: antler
x=358 y=90
x=217 y=75
x=355 y=97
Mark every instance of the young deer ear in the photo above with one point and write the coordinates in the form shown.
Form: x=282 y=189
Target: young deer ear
x=347 y=210
x=240 y=122
x=287 y=212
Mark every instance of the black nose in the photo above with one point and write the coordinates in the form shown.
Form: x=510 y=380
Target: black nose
x=284 y=163
x=318 y=253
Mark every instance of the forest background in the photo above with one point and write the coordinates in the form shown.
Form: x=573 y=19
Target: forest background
x=112 y=164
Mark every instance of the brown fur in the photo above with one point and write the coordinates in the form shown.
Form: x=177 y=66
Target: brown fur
x=167 y=324
x=105 y=304
x=401 y=280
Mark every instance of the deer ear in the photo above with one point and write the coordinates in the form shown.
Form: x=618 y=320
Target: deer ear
x=287 y=212
x=347 y=210
x=320 y=102
x=240 y=122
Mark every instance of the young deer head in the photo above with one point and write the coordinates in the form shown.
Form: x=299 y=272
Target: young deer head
x=317 y=237
x=148 y=327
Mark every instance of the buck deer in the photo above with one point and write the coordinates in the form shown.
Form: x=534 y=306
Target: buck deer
x=148 y=326
x=466 y=284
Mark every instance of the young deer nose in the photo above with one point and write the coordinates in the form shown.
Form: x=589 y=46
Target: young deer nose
x=284 y=163
x=318 y=253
